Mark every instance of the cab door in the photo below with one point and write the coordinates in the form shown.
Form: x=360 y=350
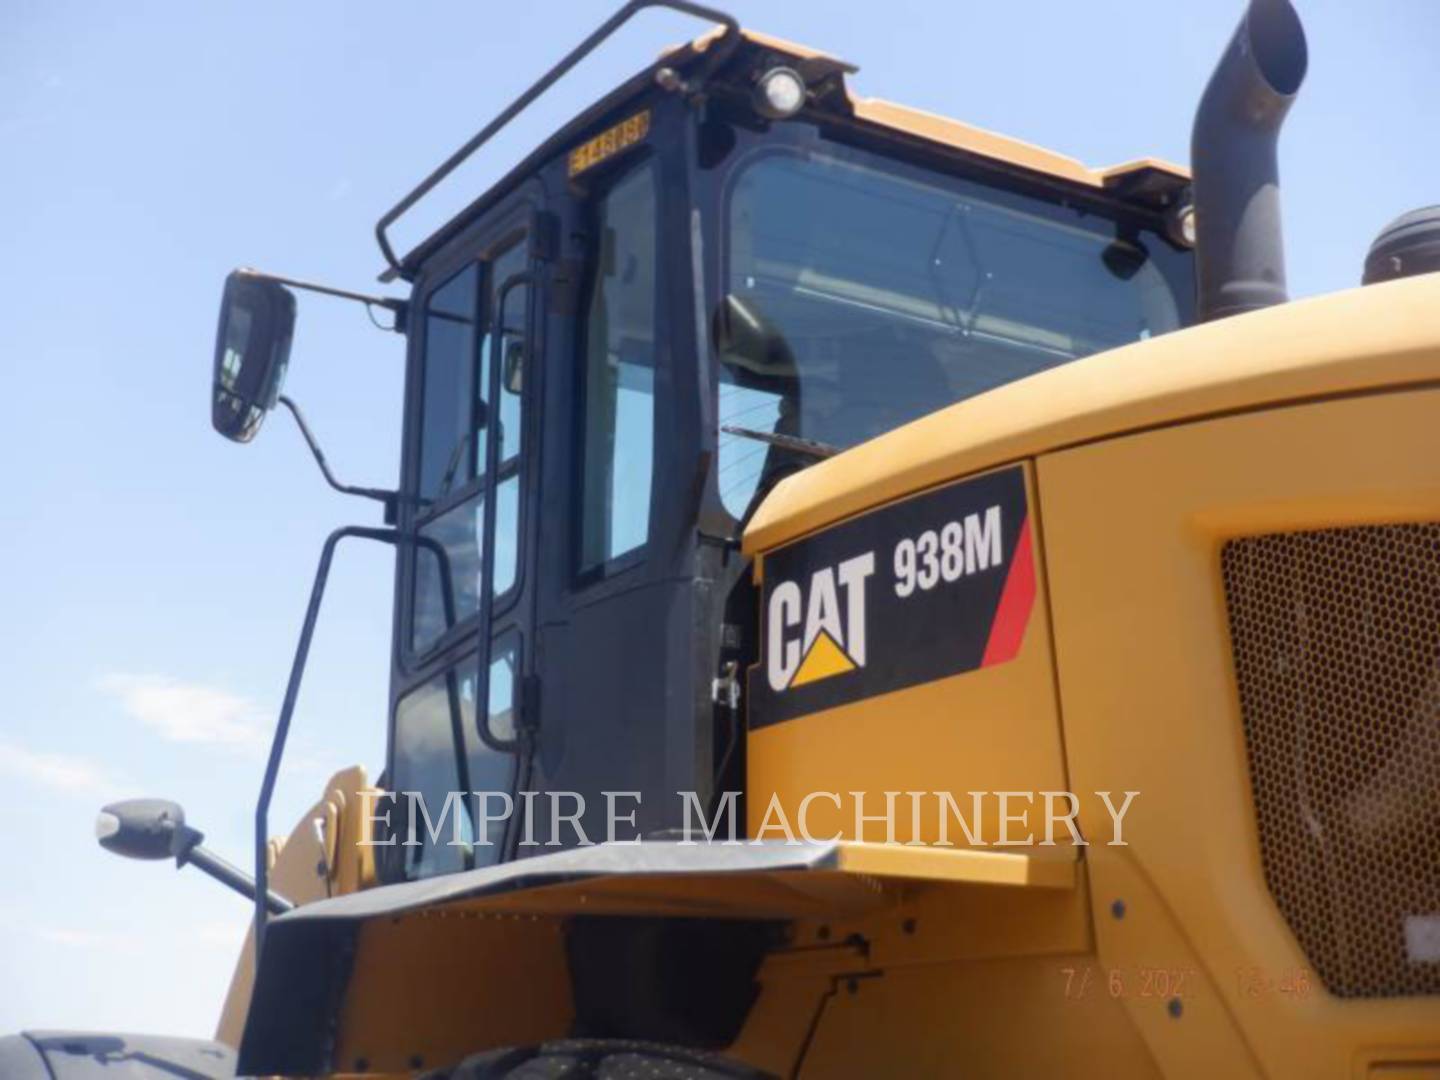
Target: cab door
x=465 y=604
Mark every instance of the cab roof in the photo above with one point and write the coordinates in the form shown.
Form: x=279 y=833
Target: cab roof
x=944 y=131
x=1147 y=181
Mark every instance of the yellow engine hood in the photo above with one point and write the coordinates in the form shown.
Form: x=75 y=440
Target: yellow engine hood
x=1344 y=343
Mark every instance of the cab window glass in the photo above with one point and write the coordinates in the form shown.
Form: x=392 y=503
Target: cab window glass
x=511 y=328
x=471 y=828
x=448 y=380
x=491 y=772
x=425 y=771
x=936 y=289
x=459 y=532
x=459 y=528
x=507 y=528
x=503 y=676
x=619 y=375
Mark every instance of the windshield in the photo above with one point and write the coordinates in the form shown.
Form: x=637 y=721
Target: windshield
x=859 y=293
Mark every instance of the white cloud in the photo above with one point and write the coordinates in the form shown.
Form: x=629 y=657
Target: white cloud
x=58 y=772
x=190 y=712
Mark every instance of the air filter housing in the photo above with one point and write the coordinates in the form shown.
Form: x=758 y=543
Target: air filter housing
x=1408 y=245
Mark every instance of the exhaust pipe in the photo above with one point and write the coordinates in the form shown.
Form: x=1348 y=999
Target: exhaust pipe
x=1240 y=256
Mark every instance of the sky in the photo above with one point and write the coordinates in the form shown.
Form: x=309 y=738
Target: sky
x=153 y=576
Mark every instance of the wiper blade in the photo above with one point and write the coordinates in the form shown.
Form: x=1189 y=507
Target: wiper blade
x=811 y=447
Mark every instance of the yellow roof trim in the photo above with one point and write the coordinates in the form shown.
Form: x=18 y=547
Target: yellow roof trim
x=947 y=132
x=1363 y=339
x=953 y=133
x=1159 y=164
x=801 y=52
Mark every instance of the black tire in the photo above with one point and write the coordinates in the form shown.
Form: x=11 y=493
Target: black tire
x=598 y=1059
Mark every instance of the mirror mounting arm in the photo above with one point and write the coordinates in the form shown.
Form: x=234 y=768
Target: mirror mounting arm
x=398 y=308
x=388 y=499
x=188 y=852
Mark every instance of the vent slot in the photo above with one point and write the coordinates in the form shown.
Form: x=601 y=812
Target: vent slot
x=1336 y=636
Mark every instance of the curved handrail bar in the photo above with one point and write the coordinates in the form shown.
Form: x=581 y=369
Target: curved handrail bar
x=292 y=689
x=718 y=53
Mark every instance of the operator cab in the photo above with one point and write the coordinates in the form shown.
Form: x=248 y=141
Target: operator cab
x=726 y=270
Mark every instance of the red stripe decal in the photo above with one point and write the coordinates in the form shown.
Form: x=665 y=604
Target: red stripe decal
x=1016 y=600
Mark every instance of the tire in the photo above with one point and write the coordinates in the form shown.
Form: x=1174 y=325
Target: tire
x=598 y=1059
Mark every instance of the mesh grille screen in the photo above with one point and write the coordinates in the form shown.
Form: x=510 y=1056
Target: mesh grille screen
x=1337 y=654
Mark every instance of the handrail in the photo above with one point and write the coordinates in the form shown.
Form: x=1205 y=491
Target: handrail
x=523 y=279
x=292 y=689
x=719 y=52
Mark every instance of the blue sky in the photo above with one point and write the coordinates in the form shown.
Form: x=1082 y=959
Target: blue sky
x=153 y=576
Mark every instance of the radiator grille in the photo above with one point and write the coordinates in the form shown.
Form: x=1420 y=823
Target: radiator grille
x=1336 y=635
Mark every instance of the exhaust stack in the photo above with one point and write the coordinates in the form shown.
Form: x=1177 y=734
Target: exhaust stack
x=1238 y=245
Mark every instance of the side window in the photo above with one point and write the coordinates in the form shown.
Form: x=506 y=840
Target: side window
x=619 y=376
x=460 y=533
x=425 y=771
x=470 y=830
x=457 y=412
x=512 y=346
x=449 y=384
x=504 y=661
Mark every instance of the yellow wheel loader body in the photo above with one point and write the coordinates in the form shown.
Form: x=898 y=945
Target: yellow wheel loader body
x=1042 y=706
x=1163 y=957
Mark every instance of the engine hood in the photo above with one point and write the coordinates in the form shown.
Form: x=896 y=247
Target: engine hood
x=1351 y=342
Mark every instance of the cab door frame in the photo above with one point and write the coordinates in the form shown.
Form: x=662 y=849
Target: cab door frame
x=467 y=647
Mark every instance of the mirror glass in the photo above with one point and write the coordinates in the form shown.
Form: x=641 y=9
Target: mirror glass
x=252 y=348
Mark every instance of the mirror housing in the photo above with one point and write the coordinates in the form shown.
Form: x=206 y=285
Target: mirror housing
x=155 y=829
x=252 y=349
x=142 y=828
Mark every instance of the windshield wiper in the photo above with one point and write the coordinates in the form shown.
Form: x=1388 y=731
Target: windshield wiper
x=785 y=442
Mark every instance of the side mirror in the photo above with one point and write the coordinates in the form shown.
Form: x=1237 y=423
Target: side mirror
x=252 y=347
x=142 y=828
x=156 y=829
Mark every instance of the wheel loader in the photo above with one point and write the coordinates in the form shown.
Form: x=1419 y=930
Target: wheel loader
x=872 y=598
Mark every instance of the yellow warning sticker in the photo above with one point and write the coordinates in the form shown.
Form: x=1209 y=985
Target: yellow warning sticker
x=610 y=142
